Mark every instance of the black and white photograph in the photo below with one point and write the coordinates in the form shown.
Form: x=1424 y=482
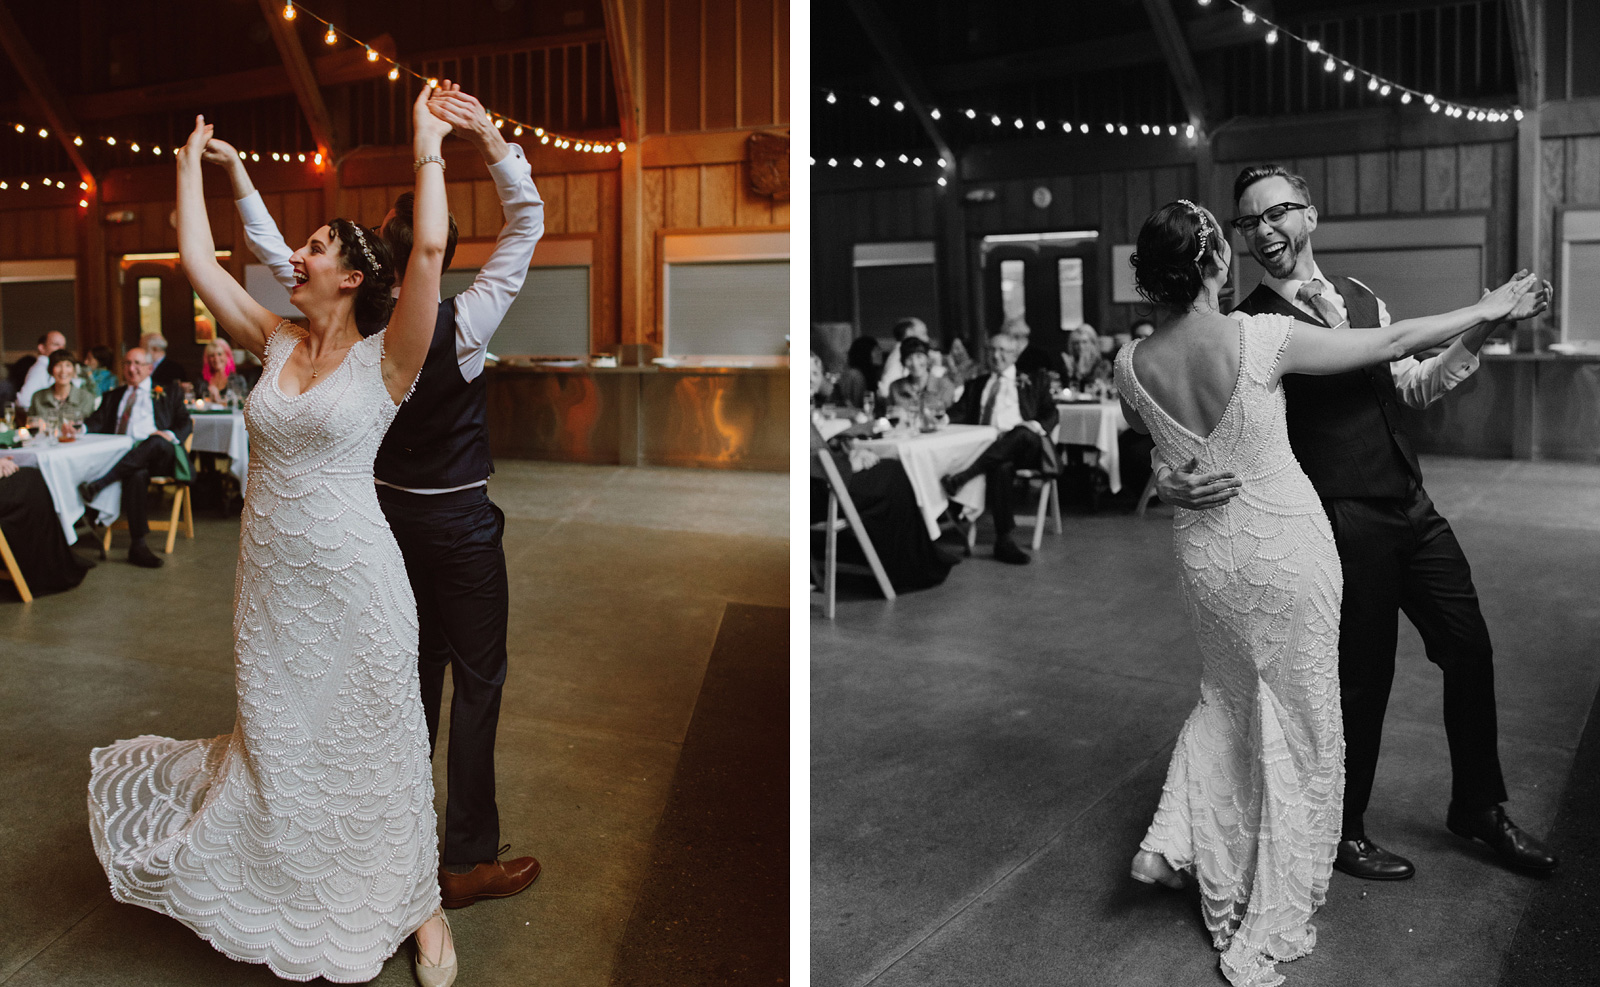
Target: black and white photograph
x=1205 y=509
x=394 y=493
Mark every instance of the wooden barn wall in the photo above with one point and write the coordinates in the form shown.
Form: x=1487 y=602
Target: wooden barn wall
x=686 y=197
x=714 y=64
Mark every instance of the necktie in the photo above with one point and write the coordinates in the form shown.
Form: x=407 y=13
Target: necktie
x=1311 y=294
x=988 y=402
x=127 y=412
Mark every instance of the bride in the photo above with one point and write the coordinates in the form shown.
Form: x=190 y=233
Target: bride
x=305 y=839
x=1252 y=799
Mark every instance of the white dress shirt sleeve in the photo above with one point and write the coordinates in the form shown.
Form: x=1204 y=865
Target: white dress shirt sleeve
x=1419 y=383
x=483 y=304
x=261 y=233
x=892 y=371
x=38 y=379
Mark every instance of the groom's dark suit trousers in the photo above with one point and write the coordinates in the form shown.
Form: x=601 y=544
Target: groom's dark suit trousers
x=452 y=547
x=1399 y=555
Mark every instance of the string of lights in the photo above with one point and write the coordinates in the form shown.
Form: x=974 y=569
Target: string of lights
x=330 y=37
x=908 y=158
x=1012 y=122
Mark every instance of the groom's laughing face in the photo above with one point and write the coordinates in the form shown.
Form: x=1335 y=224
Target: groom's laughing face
x=1278 y=246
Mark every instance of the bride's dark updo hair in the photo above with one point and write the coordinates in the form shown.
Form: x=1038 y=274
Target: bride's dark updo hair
x=361 y=249
x=1175 y=246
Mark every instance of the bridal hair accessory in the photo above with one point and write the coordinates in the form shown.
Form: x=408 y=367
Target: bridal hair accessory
x=361 y=237
x=1204 y=232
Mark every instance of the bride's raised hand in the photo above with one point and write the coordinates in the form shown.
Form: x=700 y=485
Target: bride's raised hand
x=220 y=152
x=1498 y=304
x=194 y=148
x=425 y=125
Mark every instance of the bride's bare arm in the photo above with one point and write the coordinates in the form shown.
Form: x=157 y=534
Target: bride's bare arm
x=1314 y=349
x=247 y=322
x=411 y=328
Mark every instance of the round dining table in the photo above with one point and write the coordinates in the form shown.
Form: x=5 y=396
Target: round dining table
x=928 y=457
x=67 y=464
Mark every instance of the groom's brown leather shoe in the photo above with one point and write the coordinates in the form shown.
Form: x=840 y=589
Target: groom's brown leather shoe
x=1367 y=860
x=1508 y=842
x=494 y=879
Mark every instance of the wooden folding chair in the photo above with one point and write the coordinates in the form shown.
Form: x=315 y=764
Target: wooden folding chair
x=839 y=497
x=1049 y=500
x=181 y=500
x=12 y=571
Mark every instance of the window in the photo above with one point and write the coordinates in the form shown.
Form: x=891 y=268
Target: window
x=550 y=316
x=728 y=308
x=149 y=306
x=29 y=308
x=1069 y=275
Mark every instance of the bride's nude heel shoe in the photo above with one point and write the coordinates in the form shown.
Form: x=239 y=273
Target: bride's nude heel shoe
x=438 y=974
x=1152 y=868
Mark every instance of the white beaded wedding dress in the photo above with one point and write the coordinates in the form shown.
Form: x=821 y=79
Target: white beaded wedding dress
x=1252 y=799
x=305 y=839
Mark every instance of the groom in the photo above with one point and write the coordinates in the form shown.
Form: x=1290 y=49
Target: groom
x=432 y=473
x=1397 y=553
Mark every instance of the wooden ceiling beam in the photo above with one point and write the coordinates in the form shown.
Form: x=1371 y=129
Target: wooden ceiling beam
x=1175 y=49
x=901 y=69
x=33 y=74
x=617 y=44
x=301 y=78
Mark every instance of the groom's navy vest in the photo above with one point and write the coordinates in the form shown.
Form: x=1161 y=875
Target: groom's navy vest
x=1345 y=428
x=440 y=436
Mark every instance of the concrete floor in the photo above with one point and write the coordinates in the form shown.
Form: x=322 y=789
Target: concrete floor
x=619 y=578
x=987 y=754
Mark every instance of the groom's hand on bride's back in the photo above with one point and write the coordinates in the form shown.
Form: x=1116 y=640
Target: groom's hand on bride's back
x=1195 y=491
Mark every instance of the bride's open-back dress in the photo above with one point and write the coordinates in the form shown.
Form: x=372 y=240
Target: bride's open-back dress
x=305 y=839
x=1252 y=800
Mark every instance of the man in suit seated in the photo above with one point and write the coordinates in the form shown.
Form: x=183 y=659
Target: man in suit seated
x=158 y=422
x=1020 y=406
x=32 y=372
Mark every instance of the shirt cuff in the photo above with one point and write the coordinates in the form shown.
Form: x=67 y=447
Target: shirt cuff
x=252 y=209
x=511 y=169
x=1459 y=363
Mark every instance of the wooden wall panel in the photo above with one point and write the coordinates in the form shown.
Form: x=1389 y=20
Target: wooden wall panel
x=718 y=194
x=1372 y=177
x=1475 y=174
x=714 y=64
x=749 y=209
x=1342 y=185
x=683 y=196
x=583 y=202
x=722 y=64
x=553 y=189
x=1406 y=194
x=759 y=22
x=605 y=330
x=684 y=66
x=1439 y=179
x=487 y=216
x=1583 y=185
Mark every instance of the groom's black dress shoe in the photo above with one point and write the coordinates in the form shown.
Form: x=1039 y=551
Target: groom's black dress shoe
x=1509 y=843
x=1367 y=860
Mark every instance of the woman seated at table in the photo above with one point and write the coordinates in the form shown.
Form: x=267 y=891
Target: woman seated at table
x=1086 y=364
x=888 y=508
x=33 y=531
x=219 y=377
x=919 y=392
x=843 y=389
x=98 y=365
x=65 y=399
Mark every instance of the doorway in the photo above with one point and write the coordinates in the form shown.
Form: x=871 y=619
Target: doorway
x=157 y=297
x=1048 y=280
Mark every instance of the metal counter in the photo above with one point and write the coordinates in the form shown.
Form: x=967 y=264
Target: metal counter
x=720 y=417
x=1517 y=406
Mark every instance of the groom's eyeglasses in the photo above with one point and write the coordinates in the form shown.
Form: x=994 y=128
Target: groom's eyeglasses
x=1274 y=216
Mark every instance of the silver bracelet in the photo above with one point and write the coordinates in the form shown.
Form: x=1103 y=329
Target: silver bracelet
x=417 y=164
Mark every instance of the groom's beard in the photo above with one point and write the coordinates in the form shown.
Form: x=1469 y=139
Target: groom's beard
x=1283 y=265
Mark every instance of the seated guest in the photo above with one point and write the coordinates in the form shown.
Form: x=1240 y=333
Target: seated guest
x=219 y=374
x=158 y=422
x=65 y=398
x=919 y=394
x=888 y=508
x=98 y=363
x=33 y=531
x=164 y=372
x=35 y=373
x=1034 y=358
x=1086 y=363
x=8 y=395
x=845 y=385
x=893 y=369
x=866 y=357
x=1019 y=406
x=960 y=367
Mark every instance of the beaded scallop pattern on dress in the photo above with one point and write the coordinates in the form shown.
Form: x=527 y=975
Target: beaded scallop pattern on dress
x=304 y=840
x=1253 y=795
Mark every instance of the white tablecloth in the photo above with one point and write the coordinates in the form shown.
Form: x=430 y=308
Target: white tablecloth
x=1095 y=425
x=224 y=434
x=65 y=465
x=929 y=456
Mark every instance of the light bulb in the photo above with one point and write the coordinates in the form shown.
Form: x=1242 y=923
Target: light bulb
x=1428 y=99
x=934 y=113
x=394 y=73
x=84 y=186
x=499 y=124
x=156 y=150
x=78 y=141
x=917 y=162
x=288 y=11
x=995 y=119
x=518 y=131
x=302 y=158
x=112 y=141
x=24 y=185
x=1384 y=89
x=84 y=203
x=1144 y=128
x=20 y=128
x=1188 y=131
x=1313 y=46
x=1372 y=85
x=874 y=100
x=899 y=106
x=1249 y=16
x=318 y=158
x=1434 y=107
x=1040 y=125
x=1172 y=131
x=133 y=147
x=331 y=38
x=43 y=132
x=1517 y=114
x=904 y=158
x=833 y=162
x=1083 y=128
x=1019 y=123
x=856 y=162
x=942 y=181
x=1329 y=65
x=433 y=83
x=372 y=56
x=538 y=132
x=832 y=98
x=971 y=114
x=1110 y=129
x=1272 y=36
x=545 y=139
x=1066 y=126
x=3 y=185
x=1405 y=97
x=1123 y=130
x=942 y=163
